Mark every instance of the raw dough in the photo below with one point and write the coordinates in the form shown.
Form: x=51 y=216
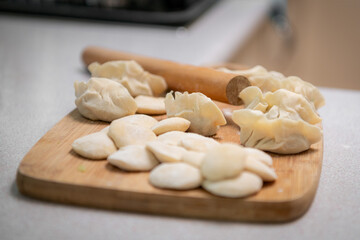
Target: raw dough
x=180 y=176
x=262 y=170
x=291 y=105
x=193 y=158
x=150 y=105
x=172 y=138
x=125 y=134
x=226 y=160
x=164 y=152
x=259 y=155
x=197 y=142
x=94 y=146
x=272 y=133
x=137 y=119
x=272 y=81
x=103 y=99
x=204 y=115
x=133 y=158
x=171 y=124
x=243 y=185
x=131 y=75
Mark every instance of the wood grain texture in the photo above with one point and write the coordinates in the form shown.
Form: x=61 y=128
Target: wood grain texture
x=52 y=171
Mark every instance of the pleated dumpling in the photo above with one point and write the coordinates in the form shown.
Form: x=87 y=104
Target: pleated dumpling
x=103 y=99
x=201 y=111
x=271 y=132
x=131 y=75
x=290 y=104
x=270 y=81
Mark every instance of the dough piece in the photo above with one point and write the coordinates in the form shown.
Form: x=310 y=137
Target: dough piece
x=193 y=158
x=171 y=124
x=103 y=99
x=164 y=152
x=223 y=161
x=125 y=134
x=272 y=81
x=291 y=105
x=196 y=142
x=204 y=115
x=131 y=75
x=150 y=105
x=272 y=133
x=94 y=146
x=172 y=138
x=137 y=119
x=262 y=170
x=259 y=155
x=133 y=158
x=180 y=176
x=243 y=185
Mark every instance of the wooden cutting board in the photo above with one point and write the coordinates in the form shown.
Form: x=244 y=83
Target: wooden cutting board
x=52 y=171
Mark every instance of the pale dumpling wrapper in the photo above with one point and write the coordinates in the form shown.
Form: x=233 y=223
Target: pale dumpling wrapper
x=103 y=99
x=290 y=104
x=270 y=81
x=266 y=131
x=131 y=75
x=201 y=111
x=94 y=146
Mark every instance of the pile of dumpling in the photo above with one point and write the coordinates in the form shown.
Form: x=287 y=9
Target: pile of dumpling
x=280 y=112
x=117 y=89
x=279 y=116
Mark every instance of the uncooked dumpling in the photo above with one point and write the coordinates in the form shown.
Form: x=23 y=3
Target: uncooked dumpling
x=204 y=115
x=131 y=75
x=272 y=133
x=226 y=160
x=180 y=176
x=133 y=158
x=272 y=81
x=94 y=146
x=103 y=99
x=245 y=184
x=291 y=105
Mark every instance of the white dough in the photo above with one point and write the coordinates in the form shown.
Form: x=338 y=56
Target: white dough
x=125 y=134
x=259 y=155
x=243 y=185
x=223 y=161
x=150 y=105
x=94 y=146
x=171 y=124
x=179 y=176
x=103 y=99
x=201 y=111
x=172 y=138
x=137 y=119
x=262 y=170
x=193 y=158
x=131 y=75
x=133 y=158
x=272 y=81
x=272 y=133
x=197 y=142
x=164 y=152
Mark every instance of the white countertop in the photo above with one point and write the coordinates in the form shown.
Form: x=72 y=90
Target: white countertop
x=40 y=60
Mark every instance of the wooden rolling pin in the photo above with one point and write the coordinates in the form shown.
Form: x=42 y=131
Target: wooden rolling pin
x=217 y=85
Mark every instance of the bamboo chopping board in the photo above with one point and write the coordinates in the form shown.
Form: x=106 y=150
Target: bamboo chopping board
x=52 y=171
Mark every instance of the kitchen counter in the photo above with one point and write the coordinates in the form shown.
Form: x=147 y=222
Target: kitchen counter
x=40 y=60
